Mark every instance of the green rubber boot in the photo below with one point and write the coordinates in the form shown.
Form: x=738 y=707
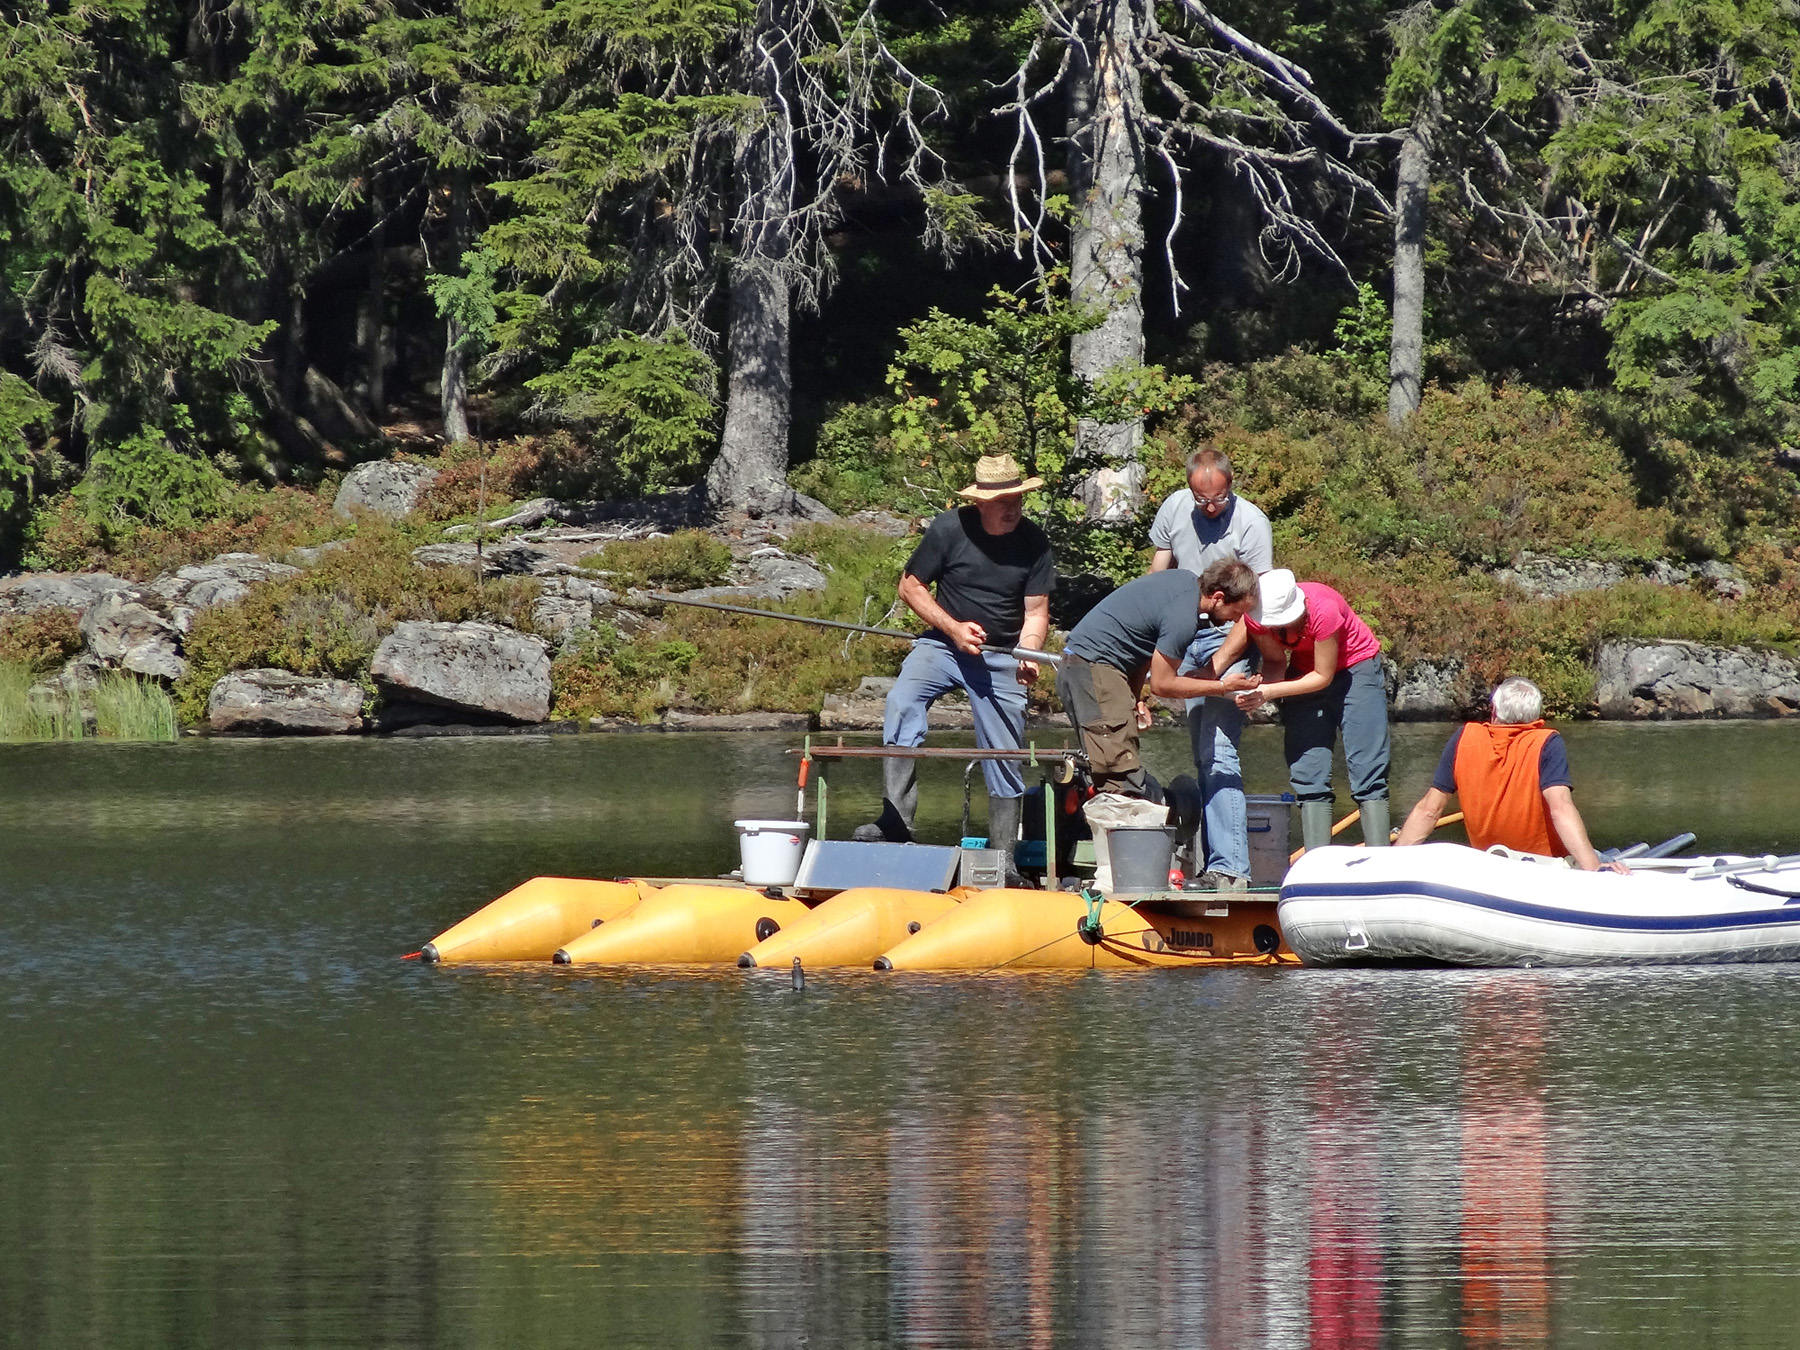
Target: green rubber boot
x=1315 y=824
x=1375 y=822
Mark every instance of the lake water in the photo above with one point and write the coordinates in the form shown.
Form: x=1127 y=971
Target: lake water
x=230 y=1116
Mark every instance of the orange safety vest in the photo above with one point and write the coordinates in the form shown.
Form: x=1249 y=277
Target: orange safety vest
x=1497 y=781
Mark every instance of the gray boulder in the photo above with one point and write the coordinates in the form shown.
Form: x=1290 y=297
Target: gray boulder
x=473 y=667
x=130 y=636
x=384 y=487
x=555 y=616
x=31 y=591
x=504 y=557
x=226 y=578
x=1430 y=690
x=281 y=703
x=1671 y=679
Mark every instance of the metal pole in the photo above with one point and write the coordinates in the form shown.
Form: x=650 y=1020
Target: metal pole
x=1021 y=653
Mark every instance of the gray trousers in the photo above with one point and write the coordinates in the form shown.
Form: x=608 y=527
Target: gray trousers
x=1355 y=703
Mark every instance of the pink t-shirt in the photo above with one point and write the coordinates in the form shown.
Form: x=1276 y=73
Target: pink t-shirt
x=1328 y=615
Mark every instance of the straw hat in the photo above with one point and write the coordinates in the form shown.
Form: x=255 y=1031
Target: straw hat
x=1279 y=599
x=999 y=476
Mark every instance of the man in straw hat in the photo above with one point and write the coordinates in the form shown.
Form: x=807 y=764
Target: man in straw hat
x=994 y=573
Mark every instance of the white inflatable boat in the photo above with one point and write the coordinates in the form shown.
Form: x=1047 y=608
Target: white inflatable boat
x=1450 y=905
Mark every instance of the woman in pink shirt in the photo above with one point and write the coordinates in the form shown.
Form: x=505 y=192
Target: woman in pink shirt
x=1321 y=658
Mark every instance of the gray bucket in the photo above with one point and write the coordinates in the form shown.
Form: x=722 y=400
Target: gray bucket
x=1140 y=857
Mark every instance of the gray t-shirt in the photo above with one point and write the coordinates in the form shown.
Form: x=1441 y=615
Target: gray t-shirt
x=1241 y=531
x=1157 y=613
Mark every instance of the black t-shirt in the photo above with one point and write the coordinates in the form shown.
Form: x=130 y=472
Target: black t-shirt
x=1553 y=764
x=983 y=578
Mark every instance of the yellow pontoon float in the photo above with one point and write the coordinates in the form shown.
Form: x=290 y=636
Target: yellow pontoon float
x=836 y=911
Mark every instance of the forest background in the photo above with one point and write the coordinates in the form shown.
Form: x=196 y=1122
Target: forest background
x=1449 y=283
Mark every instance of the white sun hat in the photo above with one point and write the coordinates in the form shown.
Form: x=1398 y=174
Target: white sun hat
x=1279 y=599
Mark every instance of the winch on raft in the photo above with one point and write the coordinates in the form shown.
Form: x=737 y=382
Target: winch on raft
x=827 y=902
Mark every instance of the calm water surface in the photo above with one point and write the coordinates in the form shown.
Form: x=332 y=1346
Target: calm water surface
x=229 y=1116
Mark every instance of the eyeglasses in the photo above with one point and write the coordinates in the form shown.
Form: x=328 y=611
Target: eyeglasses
x=1222 y=499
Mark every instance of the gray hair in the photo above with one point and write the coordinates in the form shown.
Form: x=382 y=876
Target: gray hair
x=1207 y=457
x=1517 y=701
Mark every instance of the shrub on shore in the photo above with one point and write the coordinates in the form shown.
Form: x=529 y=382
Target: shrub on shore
x=40 y=642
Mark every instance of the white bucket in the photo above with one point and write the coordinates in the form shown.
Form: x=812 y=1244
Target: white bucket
x=770 y=850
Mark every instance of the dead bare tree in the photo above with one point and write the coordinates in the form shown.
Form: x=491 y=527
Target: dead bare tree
x=1131 y=85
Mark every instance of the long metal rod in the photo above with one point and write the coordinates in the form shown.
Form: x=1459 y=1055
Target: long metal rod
x=1021 y=653
x=938 y=752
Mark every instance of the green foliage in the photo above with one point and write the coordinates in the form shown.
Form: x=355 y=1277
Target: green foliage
x=963 y=389
x=649 y=402
x=1477 y=475
x=22 y=412
x=683 y=561
x=124 y=708
x=1365 y=332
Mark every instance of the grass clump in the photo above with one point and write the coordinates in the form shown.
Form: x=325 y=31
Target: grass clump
x=25 y=718
x=124 y=708
x=127 y=708
x=329 y=620
x=683 y=561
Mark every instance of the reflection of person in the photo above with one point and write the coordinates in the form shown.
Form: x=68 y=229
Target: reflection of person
x=1136 y=638
x=1321 y=658
x=1512 y=775
x=994 y=573
x=1204 y=523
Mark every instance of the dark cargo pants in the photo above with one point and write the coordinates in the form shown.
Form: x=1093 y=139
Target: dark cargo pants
x=1099 y=702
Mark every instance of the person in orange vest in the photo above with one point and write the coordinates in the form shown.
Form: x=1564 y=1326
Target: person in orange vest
x=1512 y=775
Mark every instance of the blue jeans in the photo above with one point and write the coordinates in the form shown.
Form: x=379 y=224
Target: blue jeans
x=1355 y=704
x=931 y=670
x=1215 y=726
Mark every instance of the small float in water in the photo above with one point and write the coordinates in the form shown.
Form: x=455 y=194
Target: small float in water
x=891 y=906
x=1446 y=904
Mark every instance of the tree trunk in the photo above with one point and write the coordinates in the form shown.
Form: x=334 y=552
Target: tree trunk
x=750 y=473
x=453 y=393
x=1406 y=354
x=1107 y=250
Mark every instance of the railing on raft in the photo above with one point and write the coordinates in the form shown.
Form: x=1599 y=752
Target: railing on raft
x=1059 y=764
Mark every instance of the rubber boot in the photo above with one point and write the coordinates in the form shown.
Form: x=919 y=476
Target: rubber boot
x=1003 y=833
x=1375 y=822
x=899 y=805
x=1315 y=824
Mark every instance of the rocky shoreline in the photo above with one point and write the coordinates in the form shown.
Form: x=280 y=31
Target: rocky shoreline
x=483 y=677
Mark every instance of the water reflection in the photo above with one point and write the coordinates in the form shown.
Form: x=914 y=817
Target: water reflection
x=1505 y=1183
x=229 y=1116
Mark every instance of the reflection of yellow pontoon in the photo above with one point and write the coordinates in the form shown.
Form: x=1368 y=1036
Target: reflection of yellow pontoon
x=826 y=920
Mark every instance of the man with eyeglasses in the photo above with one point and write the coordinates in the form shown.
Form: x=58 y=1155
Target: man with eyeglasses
x=1204 y=523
